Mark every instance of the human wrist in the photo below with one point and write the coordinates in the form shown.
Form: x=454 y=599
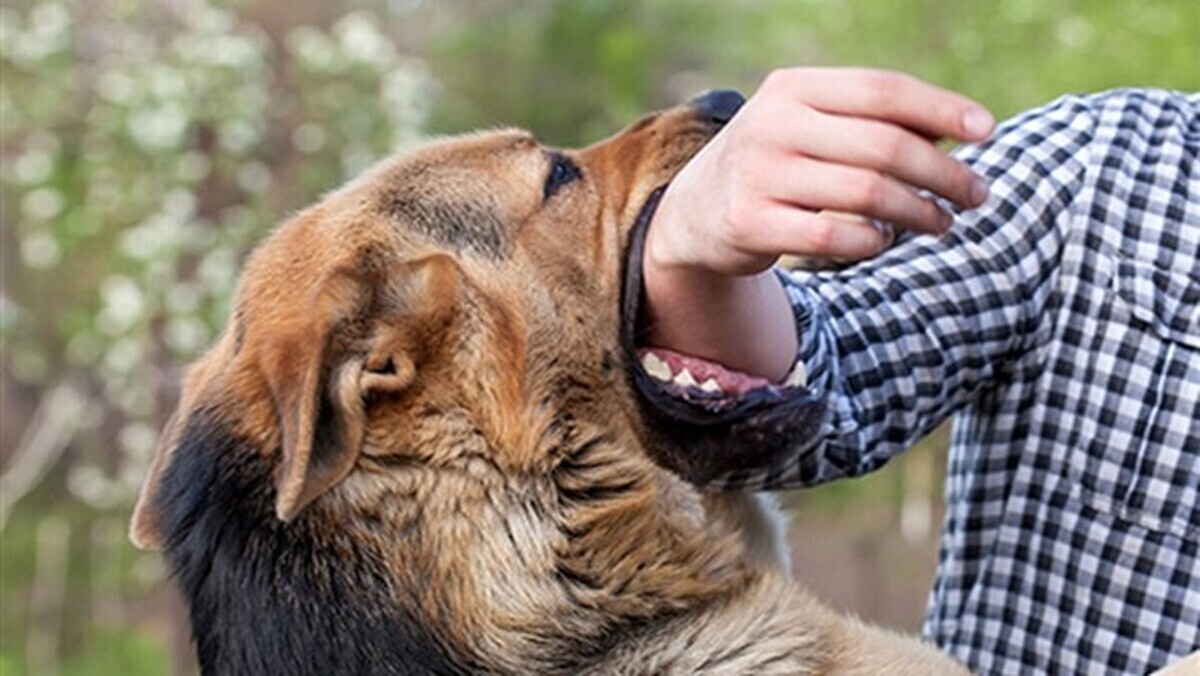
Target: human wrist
x=741 y=322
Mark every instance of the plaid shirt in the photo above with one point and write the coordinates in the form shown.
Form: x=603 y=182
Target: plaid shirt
x=1060 y=324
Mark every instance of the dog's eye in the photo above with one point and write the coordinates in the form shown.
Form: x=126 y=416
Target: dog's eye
x=562 y=172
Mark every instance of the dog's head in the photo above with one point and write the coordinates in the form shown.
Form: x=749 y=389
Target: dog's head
x=456 y=328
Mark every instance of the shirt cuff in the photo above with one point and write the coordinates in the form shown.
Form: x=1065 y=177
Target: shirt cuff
x=811 y=367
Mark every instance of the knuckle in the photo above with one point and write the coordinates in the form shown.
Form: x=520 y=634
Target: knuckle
x=820 y=235
x=867 y=193
x=884 y=87
x=739 y=222
x=891 y=147
x=902 y=80
x=877 y=80
x=781 y=80
x=776 y=79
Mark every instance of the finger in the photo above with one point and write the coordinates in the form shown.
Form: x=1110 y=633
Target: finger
x=891 y=97
x=890 y=150
x=816 y=185
x=827 y=235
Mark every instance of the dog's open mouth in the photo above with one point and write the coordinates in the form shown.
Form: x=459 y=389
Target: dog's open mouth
x=704 y=382
x=714 y=420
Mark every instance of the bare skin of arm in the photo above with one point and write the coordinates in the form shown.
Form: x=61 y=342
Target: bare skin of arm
x=811 y=147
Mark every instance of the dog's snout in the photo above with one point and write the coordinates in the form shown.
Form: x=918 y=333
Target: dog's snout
x=718 y=106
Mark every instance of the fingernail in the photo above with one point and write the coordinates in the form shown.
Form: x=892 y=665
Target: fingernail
x=886 y=232
x=945 y=222
x=979 y=191
x=978 y=122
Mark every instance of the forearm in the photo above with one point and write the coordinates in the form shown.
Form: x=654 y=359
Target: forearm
x=742 y=323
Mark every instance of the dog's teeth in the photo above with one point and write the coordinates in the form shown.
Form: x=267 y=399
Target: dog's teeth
x=798 y=377
x=710 y=385
x=685 y=378
x=656 y=367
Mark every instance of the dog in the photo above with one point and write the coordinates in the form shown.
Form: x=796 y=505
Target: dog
x=426 y=441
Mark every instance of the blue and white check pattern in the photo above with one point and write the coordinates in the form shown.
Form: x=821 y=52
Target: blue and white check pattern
x=1060 y=325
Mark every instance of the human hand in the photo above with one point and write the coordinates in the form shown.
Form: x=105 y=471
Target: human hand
x=809 y=142
x=809 y=148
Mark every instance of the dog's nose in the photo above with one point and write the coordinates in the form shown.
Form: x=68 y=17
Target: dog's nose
x=718 y=106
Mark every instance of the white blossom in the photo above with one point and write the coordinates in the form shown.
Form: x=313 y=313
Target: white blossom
x=42 y=204
x=124 y=305
x=39 y=250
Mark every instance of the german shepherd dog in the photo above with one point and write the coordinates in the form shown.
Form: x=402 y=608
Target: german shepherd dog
x=425 y=442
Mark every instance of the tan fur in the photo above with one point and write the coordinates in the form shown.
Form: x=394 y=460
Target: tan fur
x=462 y=335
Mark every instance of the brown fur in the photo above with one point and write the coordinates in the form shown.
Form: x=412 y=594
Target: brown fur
x=429 y=360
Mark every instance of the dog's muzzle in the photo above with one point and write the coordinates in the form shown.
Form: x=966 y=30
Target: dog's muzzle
x=709 y=421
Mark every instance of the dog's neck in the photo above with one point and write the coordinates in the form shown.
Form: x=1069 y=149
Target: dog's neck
x=554 y=572
x=460 y=571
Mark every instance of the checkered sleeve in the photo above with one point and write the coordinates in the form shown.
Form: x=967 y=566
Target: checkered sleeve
x=898 y=343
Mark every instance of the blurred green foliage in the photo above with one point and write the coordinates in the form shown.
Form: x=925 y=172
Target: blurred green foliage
x=147 y=146
x=148 y=143
x=1014 y=54
x=575 y=71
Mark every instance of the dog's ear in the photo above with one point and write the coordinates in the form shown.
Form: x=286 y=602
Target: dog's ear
x=145 y=527
x=322 y=382
x=146 y=524
x=367 y=331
